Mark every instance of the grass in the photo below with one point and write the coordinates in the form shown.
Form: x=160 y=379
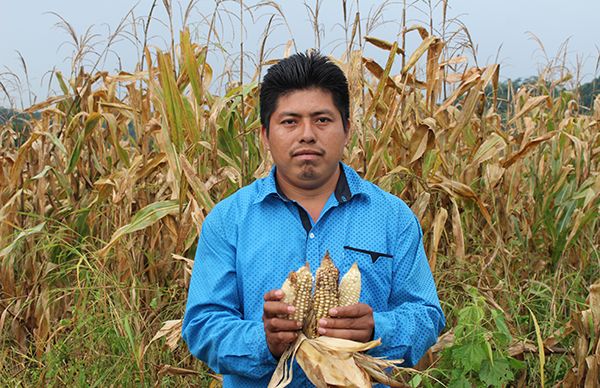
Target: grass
x=103 y=192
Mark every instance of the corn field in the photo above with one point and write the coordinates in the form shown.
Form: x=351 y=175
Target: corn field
x=104 y=190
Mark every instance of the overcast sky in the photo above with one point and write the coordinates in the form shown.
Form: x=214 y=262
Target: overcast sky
x=502 y=29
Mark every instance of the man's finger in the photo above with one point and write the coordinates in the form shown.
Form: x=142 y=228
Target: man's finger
x=273 y=295
x=352 y=311
x=272 y=309
x=285 y=337
x=279 y=325
x=355 y=335
x=344 y=323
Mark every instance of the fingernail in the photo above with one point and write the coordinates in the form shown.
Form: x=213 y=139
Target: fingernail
x=291 y=309
x=322 y=331
x=333 y=312
x=299 y=323
x=278 y=293
x=322 y=322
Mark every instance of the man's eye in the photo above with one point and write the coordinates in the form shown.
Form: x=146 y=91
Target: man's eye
x=288 y=122
x=323 y=120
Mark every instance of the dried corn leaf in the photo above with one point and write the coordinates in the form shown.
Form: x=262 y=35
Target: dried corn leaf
x=175 y=371
x=592 y=377
x=418 y=53
x=189 y=264
x=379 y=72
x=422 y=30
x=531 y=103
x=465 y=86
x=49 y=102
x=594 y=300
x=421 y=140
x=420 y=205
x=382 y=44
x=490 y=148
x=22 y=154
x=527 y=148
x=438 y=228
x=493 y=174
x=143 y=219
x=457 y=231
x=460 y=189
x=170 y=329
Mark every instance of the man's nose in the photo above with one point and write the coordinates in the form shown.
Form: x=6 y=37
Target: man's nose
x=308 y=132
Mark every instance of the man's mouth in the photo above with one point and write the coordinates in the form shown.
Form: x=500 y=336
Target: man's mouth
x=305 y=153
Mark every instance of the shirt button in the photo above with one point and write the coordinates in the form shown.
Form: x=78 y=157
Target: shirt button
x=311 y=235
x=343 y=198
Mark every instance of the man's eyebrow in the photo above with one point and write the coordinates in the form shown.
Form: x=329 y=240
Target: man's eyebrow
x=316 y=113
x=322 y=112
x=288 y=113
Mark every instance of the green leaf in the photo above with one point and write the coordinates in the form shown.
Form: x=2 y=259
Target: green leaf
x=471 y=355
x=415 y=381
x=496 y=374
x=460 y=382
x=75 y=154
x=57 y=143
x=91 y=122
x=469 y=317
x=540 y=343
x=62 y=83
x=24 y=233
x=502 y=336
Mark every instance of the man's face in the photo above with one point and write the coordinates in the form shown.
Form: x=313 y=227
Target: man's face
x=306 y=138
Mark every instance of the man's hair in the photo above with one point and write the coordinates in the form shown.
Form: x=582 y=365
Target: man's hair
x=303 y=71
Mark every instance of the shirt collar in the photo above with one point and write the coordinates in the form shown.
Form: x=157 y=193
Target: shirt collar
x=349 y=185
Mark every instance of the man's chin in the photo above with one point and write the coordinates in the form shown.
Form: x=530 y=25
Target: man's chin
x=308 y=172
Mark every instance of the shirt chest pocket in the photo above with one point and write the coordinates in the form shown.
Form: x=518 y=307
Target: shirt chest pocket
x=376 y=272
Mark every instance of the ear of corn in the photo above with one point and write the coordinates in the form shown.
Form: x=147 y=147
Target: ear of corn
x=297 y=289
x=350 y=286
x=326 y=291
x=288 y=288
x=303 y=288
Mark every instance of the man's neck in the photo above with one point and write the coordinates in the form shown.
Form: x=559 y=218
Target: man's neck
x=313 y=200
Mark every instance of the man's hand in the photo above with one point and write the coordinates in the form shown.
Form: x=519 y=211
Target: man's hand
x=353 y=322
x=280 y=332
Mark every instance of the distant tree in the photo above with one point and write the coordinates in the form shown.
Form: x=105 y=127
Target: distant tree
x=5 y=115
x=18 y=121
x=588 y=92
x=507 y=89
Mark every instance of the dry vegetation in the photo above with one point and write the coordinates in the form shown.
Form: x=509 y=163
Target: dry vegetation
x=103 y=195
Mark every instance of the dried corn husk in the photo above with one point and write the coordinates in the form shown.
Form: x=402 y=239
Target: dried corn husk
x=328 y=361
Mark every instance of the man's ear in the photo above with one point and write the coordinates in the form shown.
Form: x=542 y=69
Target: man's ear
x=348 y=130
x=264 y=137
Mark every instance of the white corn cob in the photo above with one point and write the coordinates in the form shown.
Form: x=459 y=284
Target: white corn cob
x=350 y=286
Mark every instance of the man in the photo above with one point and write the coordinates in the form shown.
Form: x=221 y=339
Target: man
x=310 y=203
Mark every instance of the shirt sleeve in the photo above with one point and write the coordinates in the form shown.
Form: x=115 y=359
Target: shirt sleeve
x=213 y=326
x=415 y=318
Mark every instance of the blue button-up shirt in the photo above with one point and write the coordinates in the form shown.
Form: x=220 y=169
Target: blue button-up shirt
x=251 y=240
